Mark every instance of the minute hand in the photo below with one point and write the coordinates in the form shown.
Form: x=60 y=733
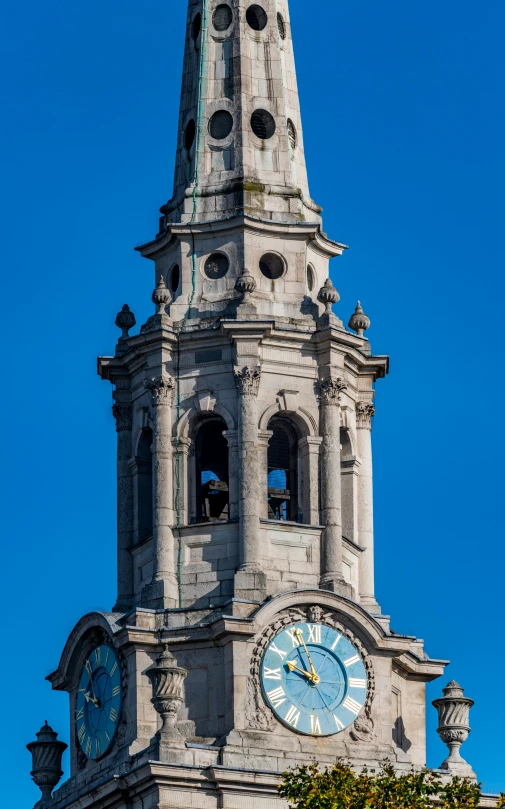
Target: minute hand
x=299 y=634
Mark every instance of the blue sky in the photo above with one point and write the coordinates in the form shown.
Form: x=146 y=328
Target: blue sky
x=403 y=116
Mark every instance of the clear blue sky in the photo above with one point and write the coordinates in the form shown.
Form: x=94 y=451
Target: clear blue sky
x=403 y=116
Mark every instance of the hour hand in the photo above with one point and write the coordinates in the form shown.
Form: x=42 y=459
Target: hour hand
x=292 y=666
x=89 y=698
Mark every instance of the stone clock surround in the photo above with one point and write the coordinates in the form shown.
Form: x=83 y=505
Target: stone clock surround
x=224 y=719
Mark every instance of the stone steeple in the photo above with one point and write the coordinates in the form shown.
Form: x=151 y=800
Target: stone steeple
x=241 y=236
x=240 y=143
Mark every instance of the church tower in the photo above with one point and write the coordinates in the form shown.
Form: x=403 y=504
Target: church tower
x=246 y=636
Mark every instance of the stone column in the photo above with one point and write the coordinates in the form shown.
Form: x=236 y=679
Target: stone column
x=264 y=437
x=364 y=414
x=310 y=448
x=250 y=582
x=181 y=450
x=123 y=415
x=162 y=592
x=331 y=500
x=233 y=487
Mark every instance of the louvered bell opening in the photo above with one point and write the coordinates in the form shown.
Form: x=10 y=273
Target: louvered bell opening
x=262 y=124
x=282 y=472
x=220 y=125
x=279 y=449
x=222 y=18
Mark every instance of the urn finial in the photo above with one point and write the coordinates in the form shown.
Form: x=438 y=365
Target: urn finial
x=125 y=320
x=161 y=297
x=167 y=679
x=328 y=295
x=245 y=285
x=453 y=727
x=46 y=772
x=359 y=322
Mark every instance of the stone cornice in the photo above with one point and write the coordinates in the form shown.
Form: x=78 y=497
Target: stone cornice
x=311 y=230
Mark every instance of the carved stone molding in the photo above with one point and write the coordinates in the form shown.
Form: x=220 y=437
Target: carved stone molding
x=365 y=411
x=331 y=389
x=248 y=380
x=162 y=390
x=123 y=416
x=259 y=716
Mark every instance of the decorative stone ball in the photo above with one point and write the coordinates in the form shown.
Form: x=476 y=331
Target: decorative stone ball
x=245 y=284
x=328 y=295
x=161 y=296
x=359 y=322
x=125 y=320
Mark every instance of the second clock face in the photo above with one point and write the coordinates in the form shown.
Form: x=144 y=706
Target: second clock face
x=313 y=679
x=99 y=701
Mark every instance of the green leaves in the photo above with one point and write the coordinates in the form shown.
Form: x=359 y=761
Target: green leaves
x=341 y=788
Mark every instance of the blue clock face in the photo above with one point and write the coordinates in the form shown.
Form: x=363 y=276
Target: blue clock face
x=99 y=701
x=313 y=679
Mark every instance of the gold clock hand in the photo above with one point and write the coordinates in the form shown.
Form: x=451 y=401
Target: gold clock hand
x=312 y=677
x=299 y=634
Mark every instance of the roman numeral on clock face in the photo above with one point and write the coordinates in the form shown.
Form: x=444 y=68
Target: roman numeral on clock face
x=335 y=643
x=88 y=746
x=314 y=633
x=338 y=723
x=79 y=714
x=351 y=661
x=97 y=656
x=113 y=715
x=315 y=727
x=113 y=669
x=270 y=674
x=294 y=637
x=277 y=696
x=81 y=733
x=292 y=717
x=352 y=706
x=117 y=690
x=354 y=682
x=281 y=654
x=98 y=750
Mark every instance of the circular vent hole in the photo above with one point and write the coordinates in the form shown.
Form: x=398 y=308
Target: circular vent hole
x=292 y=134
x=311 y=278
x=175 y=277
x=262 y=124
x=216 y=266
x=220 y=125
x=197 y=26
x=222 y=18
x=271 y=265
x=281 y=25
x=256 y=17
x=189 y=134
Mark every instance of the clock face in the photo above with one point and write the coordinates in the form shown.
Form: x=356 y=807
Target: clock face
x=313 y=679
x=99 y=701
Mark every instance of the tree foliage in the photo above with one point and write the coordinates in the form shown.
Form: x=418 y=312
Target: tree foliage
x=341 y=788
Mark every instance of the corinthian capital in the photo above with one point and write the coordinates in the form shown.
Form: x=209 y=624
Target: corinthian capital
x=331 y=388
x=123 y=415
x=248 y=381
x=365 y=411
x=161 y=390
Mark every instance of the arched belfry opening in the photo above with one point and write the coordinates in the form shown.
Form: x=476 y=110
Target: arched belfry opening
x=211 y=467
x=144 y=464
x=283 y=471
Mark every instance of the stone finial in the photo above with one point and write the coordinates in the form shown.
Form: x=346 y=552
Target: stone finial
x=245 y=285
x=125 y=320
x=167 y=679
x=328 y=295
x=161 y=297
x=453 y=728
x=359 y=322
x=46 y=772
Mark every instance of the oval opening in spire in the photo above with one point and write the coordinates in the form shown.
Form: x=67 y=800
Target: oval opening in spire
x=272 y=266
x=197 y=26
x=281 y=25
x=189 y=134
x=216 y=266
x=222 y=17
x=220 y=125
x=256 y=17
x=262 y=124
x=292 y=134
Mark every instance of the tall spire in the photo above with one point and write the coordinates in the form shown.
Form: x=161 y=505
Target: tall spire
x=240 y=142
